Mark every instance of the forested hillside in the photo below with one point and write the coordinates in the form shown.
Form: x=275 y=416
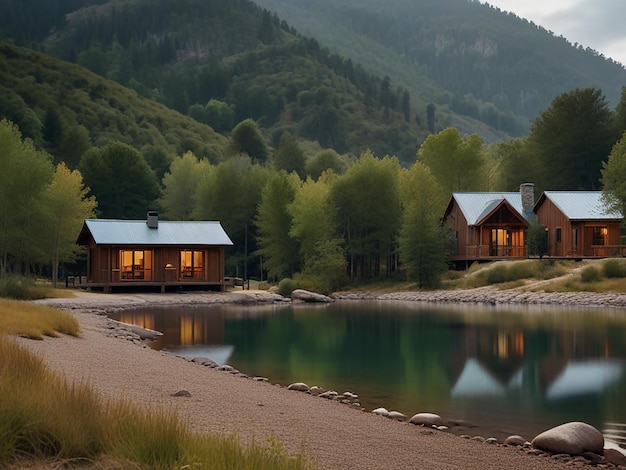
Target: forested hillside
x=225 y=61
x=66 y=109
x=463 y=56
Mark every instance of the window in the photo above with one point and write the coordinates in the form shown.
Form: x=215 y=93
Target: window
x=557 y=235
x=574 y=239
x=191 y=264
x=599 y=235
x=136 y=265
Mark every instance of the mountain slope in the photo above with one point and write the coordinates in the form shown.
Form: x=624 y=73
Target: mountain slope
x=494 y=66
x=35 y=86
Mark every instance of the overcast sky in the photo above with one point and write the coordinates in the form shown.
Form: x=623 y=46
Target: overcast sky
x=598 y=24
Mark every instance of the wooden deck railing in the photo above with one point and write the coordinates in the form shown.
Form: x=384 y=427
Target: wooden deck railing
x=608 y=251
x=495 y=251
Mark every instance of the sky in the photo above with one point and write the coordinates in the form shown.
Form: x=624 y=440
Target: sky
x=598 y=24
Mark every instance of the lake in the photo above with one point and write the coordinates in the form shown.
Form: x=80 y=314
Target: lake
x=507 y=370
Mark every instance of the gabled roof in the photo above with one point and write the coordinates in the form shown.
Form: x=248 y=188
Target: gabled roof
x=476 y=206
x=580 y=205
x=137 y=232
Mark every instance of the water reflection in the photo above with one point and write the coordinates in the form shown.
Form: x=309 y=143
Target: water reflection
x=524 y=368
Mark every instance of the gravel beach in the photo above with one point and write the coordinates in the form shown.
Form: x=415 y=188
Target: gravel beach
x=332 y=435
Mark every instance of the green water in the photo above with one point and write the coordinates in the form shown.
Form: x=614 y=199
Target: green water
x=504 y=369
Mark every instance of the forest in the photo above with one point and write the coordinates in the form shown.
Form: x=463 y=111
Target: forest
x=315 y=167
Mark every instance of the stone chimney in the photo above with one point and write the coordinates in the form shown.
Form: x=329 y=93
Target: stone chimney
x=527 y=191
x=153 y=219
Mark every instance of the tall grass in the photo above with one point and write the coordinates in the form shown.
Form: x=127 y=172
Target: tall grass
x=501 y=272
x=35 y=321
x=43 y=418
x=22 y=288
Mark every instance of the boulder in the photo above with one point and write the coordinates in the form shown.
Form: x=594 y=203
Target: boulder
x=573 y=438
x=381 y=411
x=515 y=440
x=427 y=419
x=307 y=296
x=299 y=387
x=396 y=415
x=615 y=457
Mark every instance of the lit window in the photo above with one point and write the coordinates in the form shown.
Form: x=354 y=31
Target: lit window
x=136 y=265
x=191 y=264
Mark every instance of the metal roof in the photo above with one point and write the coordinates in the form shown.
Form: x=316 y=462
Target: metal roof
x=137 y=232
x=475 y=206
x=582 y=205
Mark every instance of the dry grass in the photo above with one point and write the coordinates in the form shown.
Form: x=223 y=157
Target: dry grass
x=47 y=422
x=35 y=321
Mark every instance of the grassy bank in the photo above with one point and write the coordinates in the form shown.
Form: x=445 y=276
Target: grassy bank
x=46 y=421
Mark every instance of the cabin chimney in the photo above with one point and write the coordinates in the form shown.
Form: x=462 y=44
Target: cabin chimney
x=527 y=191
x=153 y=219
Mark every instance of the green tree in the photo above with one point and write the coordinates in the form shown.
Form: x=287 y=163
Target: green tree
x=273 y=221
x=325 y=160
x=572 y=138
x=121 y=180
x=517 y=164
x=289 y=156
x=315 y=229
x=230 y=193
x=66 y=207
x=614 y=177
x=537 y=240
x=620 y=113
x=219 y=115
x=366 y=204
x=180 y=186
x=422 y=240
x=73 y=145
x=26 y=172
x=457 y=163
x=247 y=138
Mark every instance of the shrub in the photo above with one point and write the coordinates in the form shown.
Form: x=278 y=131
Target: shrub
x=286 y=287
x=21 y=288
x=590 y=274
x=613 y=268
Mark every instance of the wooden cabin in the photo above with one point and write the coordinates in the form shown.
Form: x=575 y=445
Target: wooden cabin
x=579 y=225
x=153 y=253
x=485 y=226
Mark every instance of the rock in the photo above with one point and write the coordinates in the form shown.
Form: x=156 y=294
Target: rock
x=315 y=390
x=615 y=457
x=331 y=395
x=515 y=440
x=205 y=362
x=142 y=333
x=181 y=393
x=427 y=419
x=307 y=296
x=573 y=438
x=299 y=387
x=396 y=415
x=381 y=411
x=260 y=379
x=592 y=457
x=491 y=440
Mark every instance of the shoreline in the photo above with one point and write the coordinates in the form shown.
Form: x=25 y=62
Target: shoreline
x=91 y=310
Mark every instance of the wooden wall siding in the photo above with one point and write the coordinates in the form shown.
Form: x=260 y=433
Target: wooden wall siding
x=549 y=215
x=459 y=231
x=104 y=265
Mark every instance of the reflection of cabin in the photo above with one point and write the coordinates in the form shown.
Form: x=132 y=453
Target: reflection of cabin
x=579 y=224
x=489 y=226
x=153 y=253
